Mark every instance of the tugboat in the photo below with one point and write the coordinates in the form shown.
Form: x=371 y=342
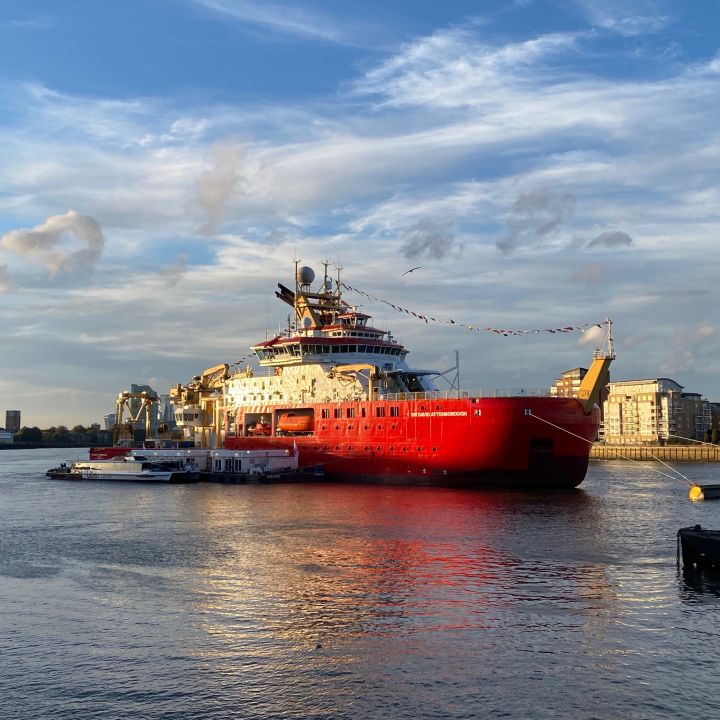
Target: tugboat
x=340 y=391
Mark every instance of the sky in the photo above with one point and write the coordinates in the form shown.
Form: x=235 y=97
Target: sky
x=544 y=162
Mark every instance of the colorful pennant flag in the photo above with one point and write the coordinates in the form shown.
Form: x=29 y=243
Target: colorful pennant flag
x=499 y=331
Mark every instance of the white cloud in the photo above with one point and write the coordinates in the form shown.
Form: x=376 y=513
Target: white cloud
x=611 y=239
x=215 y=185
x=534 y=217
x=689 y=348
x=593 y=335
x=429 y=238
x=69 y=243
x=628 y=17
x=454 y=68
x=6 y=282
x=174 y=272
x=288 y=19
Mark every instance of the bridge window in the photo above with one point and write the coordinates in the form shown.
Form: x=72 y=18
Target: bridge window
x=394 y=411
x=350 y=412
x=337 y=413
x=379 y=412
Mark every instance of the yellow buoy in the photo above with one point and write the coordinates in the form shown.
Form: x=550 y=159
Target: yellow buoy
x=696 y=493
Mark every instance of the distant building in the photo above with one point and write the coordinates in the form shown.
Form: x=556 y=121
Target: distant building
x=166 y=412
x=696 y=417
x=568 y=384
x=715 y=415
x=12 y=421
x=6 y=438
x=651 y=411
x=109 y=421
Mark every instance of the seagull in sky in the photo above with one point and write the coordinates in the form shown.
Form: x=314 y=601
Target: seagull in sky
x=411 y=270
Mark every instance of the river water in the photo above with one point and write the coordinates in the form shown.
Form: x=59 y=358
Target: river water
x=321 y=601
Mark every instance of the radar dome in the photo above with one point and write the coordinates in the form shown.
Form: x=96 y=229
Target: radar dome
x=305 y=275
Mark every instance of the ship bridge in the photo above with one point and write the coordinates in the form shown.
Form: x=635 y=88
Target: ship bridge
x=327 y=330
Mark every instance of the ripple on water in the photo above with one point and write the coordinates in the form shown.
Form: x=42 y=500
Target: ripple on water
x=351 y=602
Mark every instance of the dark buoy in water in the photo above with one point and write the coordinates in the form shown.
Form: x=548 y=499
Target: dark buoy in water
x=700 y=548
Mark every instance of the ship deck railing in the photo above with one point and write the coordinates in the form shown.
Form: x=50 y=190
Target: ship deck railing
x=465 y=394
x=430 y=395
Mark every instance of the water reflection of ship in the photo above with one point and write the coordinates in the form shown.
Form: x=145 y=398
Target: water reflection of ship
x=327 y=566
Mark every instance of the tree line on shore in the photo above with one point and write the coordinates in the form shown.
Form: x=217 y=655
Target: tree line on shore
x=58 y=435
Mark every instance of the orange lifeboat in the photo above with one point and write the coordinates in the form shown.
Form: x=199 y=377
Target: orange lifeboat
x=291 y=423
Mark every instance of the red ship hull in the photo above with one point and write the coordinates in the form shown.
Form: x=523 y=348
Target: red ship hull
x=522 y=441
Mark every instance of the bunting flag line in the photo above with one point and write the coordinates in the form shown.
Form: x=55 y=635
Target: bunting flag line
x=505 y=332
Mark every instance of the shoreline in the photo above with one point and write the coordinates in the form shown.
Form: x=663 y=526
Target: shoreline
x=676 y=453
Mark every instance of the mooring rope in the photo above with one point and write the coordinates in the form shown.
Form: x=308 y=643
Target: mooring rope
x=624 y=457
